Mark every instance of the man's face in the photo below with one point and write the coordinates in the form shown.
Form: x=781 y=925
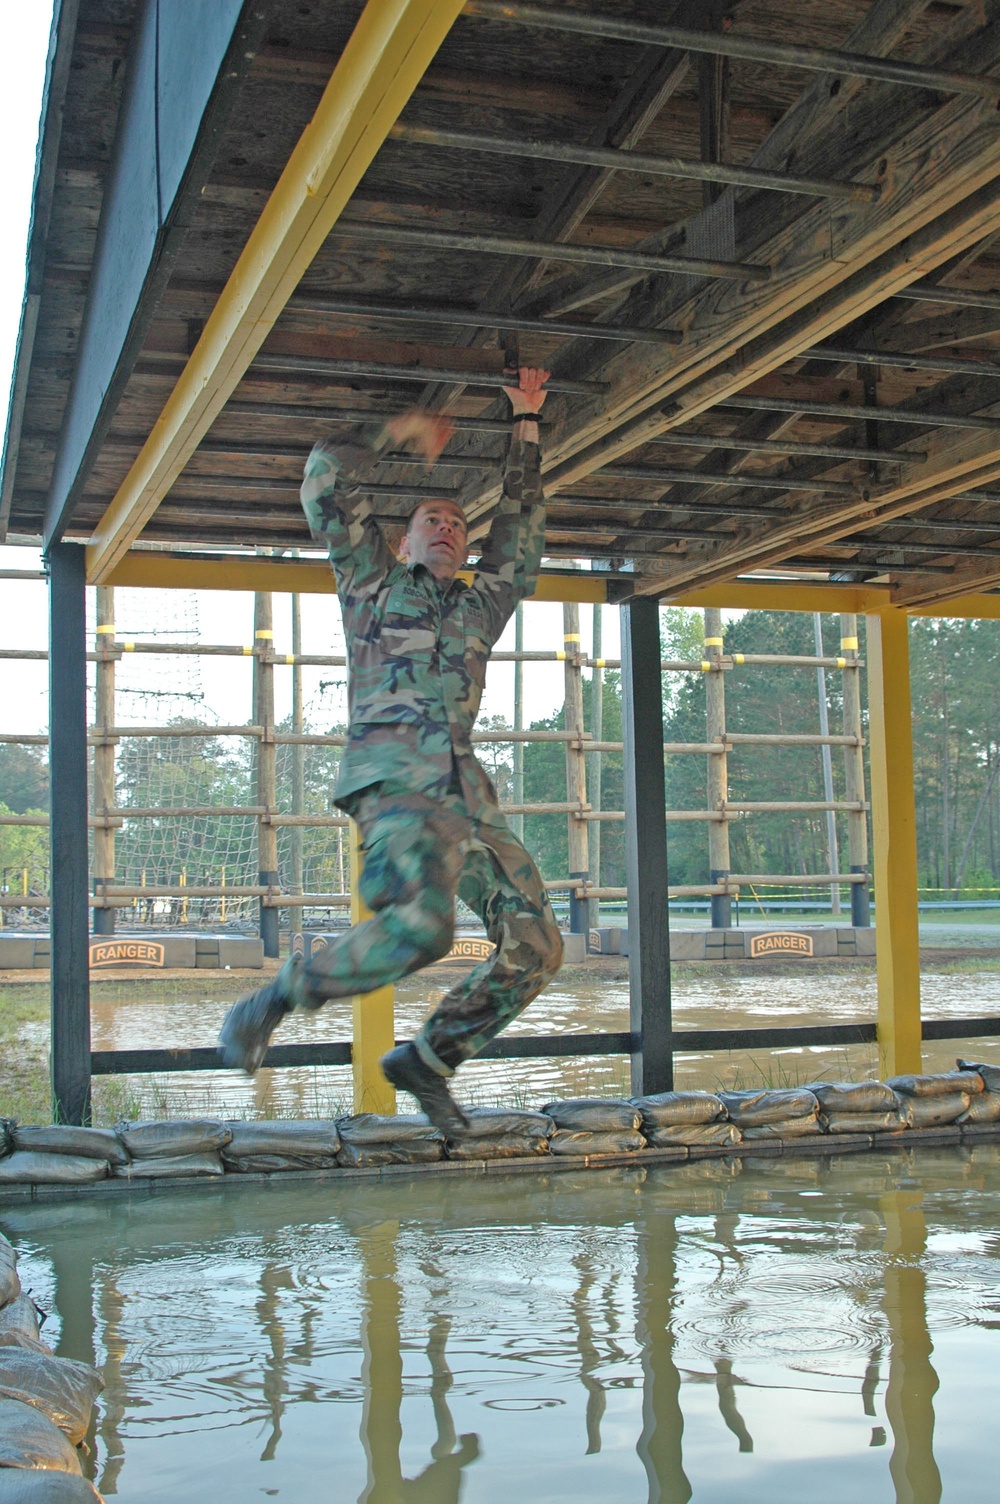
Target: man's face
x=437 y=538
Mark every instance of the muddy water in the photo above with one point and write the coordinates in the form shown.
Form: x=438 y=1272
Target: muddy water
x=776 y=1334
x=579 y=1001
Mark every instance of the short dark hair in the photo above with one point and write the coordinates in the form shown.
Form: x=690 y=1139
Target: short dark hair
x=431 y=501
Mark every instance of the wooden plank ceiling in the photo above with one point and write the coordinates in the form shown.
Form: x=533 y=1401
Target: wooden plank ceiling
x=817 y=394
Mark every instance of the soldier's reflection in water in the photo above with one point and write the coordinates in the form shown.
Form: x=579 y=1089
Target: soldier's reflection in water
x=382 y=1376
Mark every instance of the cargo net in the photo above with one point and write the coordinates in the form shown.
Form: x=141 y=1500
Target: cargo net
x=178 y=768
x=314 y=859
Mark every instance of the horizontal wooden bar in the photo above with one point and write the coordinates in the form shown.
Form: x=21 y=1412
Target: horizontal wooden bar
x=477 y=318
x=680 y=436
x=246 y=407
x=545 y=1047
x=853 y=414
x=622 y=160
x=735 y=44
x=551 y=250
x=958 y=297
x=959 y=1028
x=946 y=364
x=662 y=476
x=315 y=365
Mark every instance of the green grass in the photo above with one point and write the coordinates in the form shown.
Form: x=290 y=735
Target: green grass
x=24 y=1069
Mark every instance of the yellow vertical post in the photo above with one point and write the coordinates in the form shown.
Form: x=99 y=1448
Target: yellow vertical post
x=374 y=1020
x=894 y=841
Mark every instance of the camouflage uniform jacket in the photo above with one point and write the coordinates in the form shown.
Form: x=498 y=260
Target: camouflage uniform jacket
x=417 y=650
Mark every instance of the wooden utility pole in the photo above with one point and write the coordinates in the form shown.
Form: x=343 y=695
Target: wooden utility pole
x=718 y=766
x=104 y=754
x=576 y=765
x=263 y=699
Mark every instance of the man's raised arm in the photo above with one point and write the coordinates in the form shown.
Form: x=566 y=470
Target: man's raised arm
x=512 y=551
x=338 y=506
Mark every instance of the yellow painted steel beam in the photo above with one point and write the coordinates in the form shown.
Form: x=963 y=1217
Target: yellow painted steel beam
x=301 y=576
x=374 y=1015
x=779 y=595
x=157 y=571
x=894 y=841
x=384 y=60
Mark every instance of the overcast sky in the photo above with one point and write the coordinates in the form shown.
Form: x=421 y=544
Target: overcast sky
x=224 y=683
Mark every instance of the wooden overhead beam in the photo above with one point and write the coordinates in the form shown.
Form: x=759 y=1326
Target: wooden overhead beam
x=384 y=60
x=828 y=268
x=818 y=283
x=657 y=74
x=810 y=117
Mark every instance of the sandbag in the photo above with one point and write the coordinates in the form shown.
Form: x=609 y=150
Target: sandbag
x=667 y=1108
x=989 y=1073
x=275 y=1164
x=983 y=1109
x=673 y=1135
x=942 y=1085
x=566 y=1141
x=934 y=1112
x=498 y=1146
x=863 y=1122
x=849 y=1096
x=29 y=1439
x=752 y=1109
x=492 y=1122
x=60 y=1138
x=19 y=1317
x=166 y=1140
x=415 y=1151
x=375 y=1128
x=10 y=1284
x=63 y=1389
x=303 y=1141
x=21 y=1486
x=784 y=1128
x=26 y=1167
x=592 y=1115
x=191 y=1166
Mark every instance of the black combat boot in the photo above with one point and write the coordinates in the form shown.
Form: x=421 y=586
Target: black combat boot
x=247 y=1028
x=404 y=1068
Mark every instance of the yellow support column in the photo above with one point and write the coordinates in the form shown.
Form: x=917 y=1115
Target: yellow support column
x=374 y=1020
x=894 y=833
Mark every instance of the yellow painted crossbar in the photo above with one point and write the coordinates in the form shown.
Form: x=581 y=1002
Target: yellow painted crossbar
x=296 y=577
x=384 y=60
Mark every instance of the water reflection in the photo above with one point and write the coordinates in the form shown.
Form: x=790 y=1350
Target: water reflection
x=660 y=1444
x=697 y=1333
x=913 y=1383
x=382 y=1375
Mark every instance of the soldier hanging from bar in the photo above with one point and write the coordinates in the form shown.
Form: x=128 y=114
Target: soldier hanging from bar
x=418 y=643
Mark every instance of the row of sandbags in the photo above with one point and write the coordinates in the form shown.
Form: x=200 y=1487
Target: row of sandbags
x=45 y=1405
x=580 y=1127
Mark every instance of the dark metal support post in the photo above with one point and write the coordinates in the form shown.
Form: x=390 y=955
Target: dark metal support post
x=646 y=847
x=70 y=973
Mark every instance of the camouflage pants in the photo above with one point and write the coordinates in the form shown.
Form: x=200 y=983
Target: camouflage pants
x=418 y=854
